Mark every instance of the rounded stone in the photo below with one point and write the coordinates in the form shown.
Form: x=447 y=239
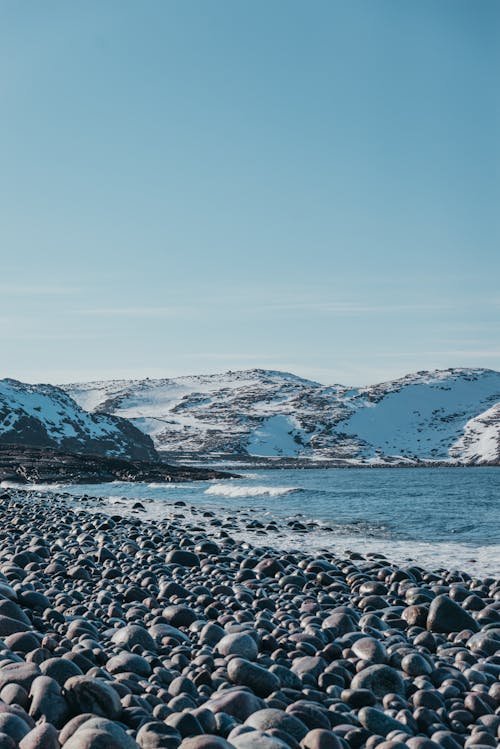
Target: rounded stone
x=240 y=644
x=238 y=703
x=261 y=681
x=320 y=738
x=13 y=726
x=379 y=679
x=44 y=736
x=183 y=558
x=446 y=616
x=272 y=718
x=88 y=695
x=133 y=634
x=378 y=722
x=258 y=740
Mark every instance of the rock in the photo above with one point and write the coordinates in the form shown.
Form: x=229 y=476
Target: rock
x=240 y=644
x=12 y=694
x=313 y=665
x=358 y=697
x=446 y=616
x=206 y=742
x=22 y=674
x=13 y=726
x=185 y=723
x=236 y=702
x=100 y=733
x=73 y=725
x=87 y=695
x=47 y=702
x=44 y=736
x=211 y=634
x=321 y=739
x=60 y=669
x=258 y=740
x=379 y=723
x=132 y=635
x=131 y=662
x=158 y=735
x=6 y=742
x=272 y=718
x=10 y=626
x=183 y=558
x=415 y=664
x=369 y=649
x=261 y=681
x=380 y=680
x=179 y=615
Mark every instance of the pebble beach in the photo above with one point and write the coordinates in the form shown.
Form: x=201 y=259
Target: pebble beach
x=118 y=632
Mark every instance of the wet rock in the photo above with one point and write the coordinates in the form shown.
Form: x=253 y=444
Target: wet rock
x=447 y=616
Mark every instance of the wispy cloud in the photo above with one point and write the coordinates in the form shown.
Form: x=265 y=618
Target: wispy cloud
x=353 y=308
x=139 y=311
x=37 y=290
x=483 y=353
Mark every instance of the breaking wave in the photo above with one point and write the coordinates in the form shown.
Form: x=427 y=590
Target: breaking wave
x=224 y=490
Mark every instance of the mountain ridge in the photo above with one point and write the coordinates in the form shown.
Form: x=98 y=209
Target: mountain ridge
x=267 y=414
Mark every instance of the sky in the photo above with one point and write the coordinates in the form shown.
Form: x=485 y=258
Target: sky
x=193 y=186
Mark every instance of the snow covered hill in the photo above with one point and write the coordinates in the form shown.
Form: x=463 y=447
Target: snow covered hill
x=46 y=416
x=443 y=415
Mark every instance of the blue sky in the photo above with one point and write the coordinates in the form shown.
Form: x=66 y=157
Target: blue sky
x=203 y=185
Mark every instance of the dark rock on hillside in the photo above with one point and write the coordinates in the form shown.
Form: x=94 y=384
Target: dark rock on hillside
x=44 y=466
x=46 y=416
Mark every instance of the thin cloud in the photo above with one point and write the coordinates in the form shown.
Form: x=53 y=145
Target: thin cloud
x=353 y=308
x=133 y=312
x=484 y=353
x=37 y=290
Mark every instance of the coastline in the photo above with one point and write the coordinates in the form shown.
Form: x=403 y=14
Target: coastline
x=172 y=633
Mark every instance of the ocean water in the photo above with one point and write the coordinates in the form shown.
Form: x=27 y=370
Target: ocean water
x=439 y=517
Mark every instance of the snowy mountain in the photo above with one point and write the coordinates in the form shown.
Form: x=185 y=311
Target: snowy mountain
x=444 y=415
x=46 y=416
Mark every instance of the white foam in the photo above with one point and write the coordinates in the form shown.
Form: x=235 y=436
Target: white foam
x=32 y=487
x=225 y=490
x=169 y=485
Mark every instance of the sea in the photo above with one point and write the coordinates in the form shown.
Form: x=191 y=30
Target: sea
x=435 y=517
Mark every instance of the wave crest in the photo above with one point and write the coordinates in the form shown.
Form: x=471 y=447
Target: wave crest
x=224 y=490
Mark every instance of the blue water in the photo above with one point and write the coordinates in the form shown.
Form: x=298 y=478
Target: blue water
x=443 y=516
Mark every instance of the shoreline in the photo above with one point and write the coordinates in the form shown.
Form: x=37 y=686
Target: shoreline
x=287 y=464
x=125 y=633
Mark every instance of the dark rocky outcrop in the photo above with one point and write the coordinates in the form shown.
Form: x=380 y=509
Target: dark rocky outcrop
x=24 y=464
x=47 y=417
